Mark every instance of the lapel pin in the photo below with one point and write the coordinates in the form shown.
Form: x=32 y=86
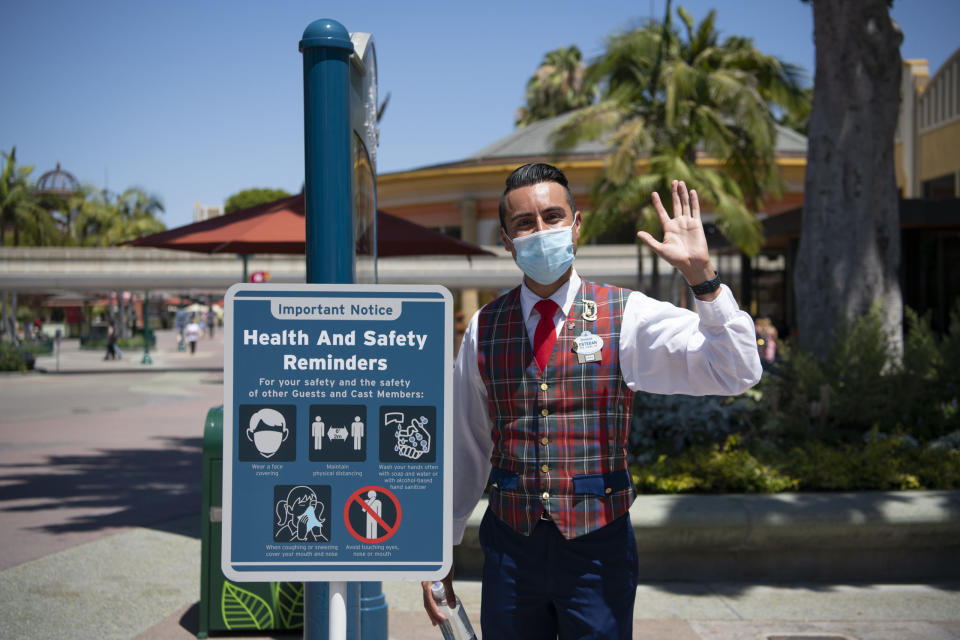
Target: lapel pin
x=589 y=310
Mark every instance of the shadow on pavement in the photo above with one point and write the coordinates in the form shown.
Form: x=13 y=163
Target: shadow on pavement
x=113 y=488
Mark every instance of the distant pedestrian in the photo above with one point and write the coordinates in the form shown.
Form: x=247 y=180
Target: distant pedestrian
x=211 y=321
x=192 y=333
x=766 y=339
x=112 y=351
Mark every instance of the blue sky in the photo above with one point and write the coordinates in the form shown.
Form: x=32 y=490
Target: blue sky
x=195 y=100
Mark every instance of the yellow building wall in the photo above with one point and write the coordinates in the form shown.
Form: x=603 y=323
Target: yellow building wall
x=898 y=167
x=939 y=152
x=432 y=197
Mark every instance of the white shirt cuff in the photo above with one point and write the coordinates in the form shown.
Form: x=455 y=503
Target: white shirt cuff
x=720 y=310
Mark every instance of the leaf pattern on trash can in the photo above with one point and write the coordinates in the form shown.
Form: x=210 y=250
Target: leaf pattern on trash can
x=288 y=603
x=244 y=610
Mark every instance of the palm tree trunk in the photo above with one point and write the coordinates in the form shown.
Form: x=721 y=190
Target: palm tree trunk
x=849 y=255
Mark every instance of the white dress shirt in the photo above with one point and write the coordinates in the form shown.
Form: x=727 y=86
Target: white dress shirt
x=663 y=349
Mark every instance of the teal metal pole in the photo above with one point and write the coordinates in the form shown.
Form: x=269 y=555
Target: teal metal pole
x=326 y=49
x=146 y=329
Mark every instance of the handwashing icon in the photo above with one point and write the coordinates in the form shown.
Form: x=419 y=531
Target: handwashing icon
x=413 y=440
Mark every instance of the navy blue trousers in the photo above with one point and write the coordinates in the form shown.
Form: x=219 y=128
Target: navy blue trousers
x=543 y=586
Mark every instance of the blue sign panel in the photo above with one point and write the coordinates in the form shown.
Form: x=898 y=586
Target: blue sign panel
x=337 y=433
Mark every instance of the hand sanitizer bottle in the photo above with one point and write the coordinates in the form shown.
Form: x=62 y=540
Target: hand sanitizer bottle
x=457 y=625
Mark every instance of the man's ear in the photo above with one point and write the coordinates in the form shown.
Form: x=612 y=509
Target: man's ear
x=577 y=219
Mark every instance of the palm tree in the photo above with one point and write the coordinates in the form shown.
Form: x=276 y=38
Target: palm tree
x=19 y=211
x=557 y=86
x=673 y=101
x=105 y=219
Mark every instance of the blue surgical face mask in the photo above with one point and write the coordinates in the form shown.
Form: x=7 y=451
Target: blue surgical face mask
x=545 y=255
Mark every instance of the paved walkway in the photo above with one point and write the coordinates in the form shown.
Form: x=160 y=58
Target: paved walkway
x=99 y=514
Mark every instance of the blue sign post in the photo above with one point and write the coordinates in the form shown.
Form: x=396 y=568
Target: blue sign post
x=337 y=395
x=338 y=401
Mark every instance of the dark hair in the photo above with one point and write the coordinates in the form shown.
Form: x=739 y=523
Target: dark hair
x=530 y=174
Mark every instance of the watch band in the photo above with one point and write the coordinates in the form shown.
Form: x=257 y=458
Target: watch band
x=706 y=287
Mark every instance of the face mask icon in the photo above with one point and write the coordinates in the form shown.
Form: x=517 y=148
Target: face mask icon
x=267 y=431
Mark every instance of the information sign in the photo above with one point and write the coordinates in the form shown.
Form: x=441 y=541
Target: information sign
x=337 y=433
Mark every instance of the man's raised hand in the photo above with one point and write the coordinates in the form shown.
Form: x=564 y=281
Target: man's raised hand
x=684 y=243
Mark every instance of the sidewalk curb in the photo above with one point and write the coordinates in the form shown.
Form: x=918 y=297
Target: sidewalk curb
x=882 y=536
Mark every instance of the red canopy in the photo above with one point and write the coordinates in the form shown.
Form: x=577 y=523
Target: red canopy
x=280 y=227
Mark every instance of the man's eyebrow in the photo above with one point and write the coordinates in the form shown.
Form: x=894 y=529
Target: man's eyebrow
x=523 y=214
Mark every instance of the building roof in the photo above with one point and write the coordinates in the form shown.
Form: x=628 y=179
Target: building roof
x=534 y=140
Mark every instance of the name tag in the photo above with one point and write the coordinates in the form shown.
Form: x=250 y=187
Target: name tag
x=588 y=347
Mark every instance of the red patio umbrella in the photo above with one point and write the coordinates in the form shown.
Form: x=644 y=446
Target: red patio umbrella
x=280 y=227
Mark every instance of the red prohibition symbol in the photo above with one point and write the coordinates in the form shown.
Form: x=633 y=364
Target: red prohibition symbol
x=371 y=509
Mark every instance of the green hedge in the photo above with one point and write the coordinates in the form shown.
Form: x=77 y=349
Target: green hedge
x=13 y=358
x=37 y=348
x=849 y=422
x=760 y=467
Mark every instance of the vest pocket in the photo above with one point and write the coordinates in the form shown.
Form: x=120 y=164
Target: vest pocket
x=504 y=480
x=601 y=484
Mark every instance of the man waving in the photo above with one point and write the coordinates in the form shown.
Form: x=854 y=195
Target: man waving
x=543 y=395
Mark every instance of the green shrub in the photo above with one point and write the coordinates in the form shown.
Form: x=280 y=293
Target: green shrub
x=715 y=469
x=11 y=358
x=671 y=423
x=37 y=348
x=859 y=419
x=877 y=465
x=861 y=386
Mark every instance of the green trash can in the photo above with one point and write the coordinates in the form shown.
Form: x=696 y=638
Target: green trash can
x=226 y=605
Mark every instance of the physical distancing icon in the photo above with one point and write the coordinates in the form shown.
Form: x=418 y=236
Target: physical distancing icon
x=338 y=433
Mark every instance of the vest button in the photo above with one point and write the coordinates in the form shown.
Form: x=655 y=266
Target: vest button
x=543 y=386
x=545 y=495
x=544 y=468
x=544 y=412
x=544 y=440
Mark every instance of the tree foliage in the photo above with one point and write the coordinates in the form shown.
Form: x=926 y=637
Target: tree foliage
x=21 y=218
x=670 y=97
x=252 y=197
x=90 y=217
x=557 y=87
x=105 y=219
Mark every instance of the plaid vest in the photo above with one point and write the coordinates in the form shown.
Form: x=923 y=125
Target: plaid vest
x=559 y=436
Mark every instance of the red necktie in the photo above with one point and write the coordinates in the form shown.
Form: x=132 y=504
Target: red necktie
x=546 y=334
